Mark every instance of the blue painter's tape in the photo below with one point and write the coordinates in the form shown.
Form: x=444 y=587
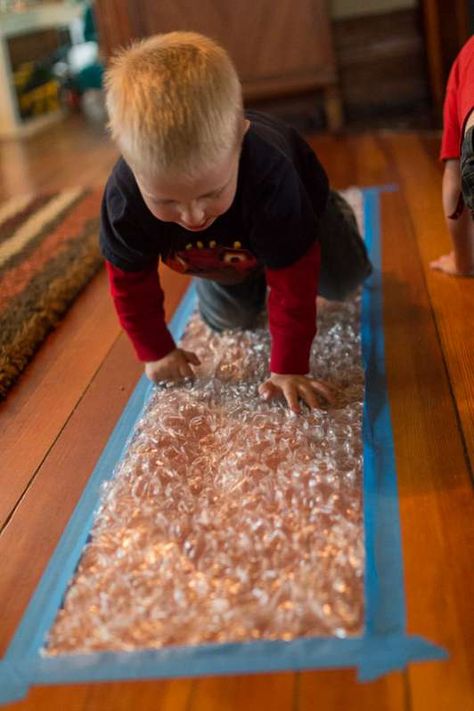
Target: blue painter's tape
x=384 y=590
x=393 y=652
x=13 y=687
x=384 y=646
x=374 y=657
x=384 y=595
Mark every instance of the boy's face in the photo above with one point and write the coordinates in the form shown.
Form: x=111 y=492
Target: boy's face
x=193 y=203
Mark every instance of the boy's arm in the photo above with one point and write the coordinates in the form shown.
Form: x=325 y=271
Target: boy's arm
x=292 y=312
x=292 y=323
x=139 y=300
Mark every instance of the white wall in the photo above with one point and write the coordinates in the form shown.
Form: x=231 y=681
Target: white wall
x=351 y=8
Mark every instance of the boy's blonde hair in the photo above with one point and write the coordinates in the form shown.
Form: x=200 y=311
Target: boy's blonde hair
x=174 y=103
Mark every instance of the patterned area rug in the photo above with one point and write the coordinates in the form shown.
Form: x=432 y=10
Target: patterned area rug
x=48 y=252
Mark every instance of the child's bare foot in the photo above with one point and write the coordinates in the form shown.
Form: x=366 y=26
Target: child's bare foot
x=448 y=264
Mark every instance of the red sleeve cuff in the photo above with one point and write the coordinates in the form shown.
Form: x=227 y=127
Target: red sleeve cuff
x=154 y=349
x=139 y=302
x=290 y=358
x=292 y=312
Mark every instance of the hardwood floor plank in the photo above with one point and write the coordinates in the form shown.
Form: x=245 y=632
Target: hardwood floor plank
x=371 y=167
x=26 y=542
x=436 y=502
x=432 y=143
x=171 y=695
x=53 y=698
x=234 y=693
x=337 y=158
x=72 y=153
x=353 y=160
x=37 y=408
x=452 y=298
x=30 y=536
x=339 y=690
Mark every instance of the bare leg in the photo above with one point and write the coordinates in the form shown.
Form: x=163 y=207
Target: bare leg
x=469 y=122
x=467 y=163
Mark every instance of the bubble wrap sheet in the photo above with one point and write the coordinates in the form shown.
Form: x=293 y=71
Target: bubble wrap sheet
x=230 y=519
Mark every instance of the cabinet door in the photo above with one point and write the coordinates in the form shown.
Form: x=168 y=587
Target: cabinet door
x=447 y=28
x=277 y=46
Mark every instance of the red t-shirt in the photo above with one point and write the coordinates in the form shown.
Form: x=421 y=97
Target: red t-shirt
x=459 y=101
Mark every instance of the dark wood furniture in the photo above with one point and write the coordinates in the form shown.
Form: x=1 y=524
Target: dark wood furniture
x=279 y=49
x=446 y=30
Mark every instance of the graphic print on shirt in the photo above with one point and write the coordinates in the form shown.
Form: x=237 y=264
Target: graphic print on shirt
x=213 y=261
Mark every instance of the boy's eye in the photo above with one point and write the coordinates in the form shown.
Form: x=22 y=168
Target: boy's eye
x=215 y=194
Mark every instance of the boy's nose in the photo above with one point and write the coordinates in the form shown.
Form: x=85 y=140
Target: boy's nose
x=193 y=215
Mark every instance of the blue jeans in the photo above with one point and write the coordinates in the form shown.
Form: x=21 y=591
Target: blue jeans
x=344 y=266
x=224 y=306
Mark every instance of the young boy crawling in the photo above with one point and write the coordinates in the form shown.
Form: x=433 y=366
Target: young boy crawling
x=237 y=199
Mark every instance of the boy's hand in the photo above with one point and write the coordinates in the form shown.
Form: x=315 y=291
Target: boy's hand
x=174 y=366
x=295 y=388
x=447 y=264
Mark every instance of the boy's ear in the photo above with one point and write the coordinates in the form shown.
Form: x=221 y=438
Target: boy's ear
x=246 y=127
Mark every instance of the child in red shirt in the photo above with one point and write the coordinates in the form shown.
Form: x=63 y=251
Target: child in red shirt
x=457 y=151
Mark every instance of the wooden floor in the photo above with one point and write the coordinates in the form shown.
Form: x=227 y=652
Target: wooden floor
x=56 y=421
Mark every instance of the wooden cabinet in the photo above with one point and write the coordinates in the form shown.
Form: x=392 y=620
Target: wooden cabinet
x=447 y=28
x=279 y=48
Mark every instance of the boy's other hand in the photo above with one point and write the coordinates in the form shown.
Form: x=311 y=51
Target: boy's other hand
x=447 y=264
x=295 y=388
x=174 y=366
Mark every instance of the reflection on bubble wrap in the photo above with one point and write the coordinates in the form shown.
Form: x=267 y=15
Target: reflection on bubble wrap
x=230 y=518
x=354 y=197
